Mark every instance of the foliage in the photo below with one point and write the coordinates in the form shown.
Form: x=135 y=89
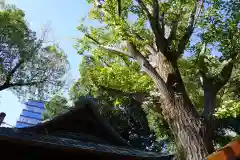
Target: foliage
x=113 y=72
x=57 y=105
x=108 y=81
x=27 y=66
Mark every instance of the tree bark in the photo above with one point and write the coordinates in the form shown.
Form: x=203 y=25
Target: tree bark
x=20 y=84
x=189 y=130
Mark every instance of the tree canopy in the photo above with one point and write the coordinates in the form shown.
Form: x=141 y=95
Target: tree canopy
x=28 y=66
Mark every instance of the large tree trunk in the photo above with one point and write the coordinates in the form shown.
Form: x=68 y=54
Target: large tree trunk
x=189 y=130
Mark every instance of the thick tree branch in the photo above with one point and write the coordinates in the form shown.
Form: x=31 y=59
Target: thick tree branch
x=212 y=85
x=144 y=8
x=149 y=48
x=144 y=63
x=108 y=48
x=4 y=86
x=222 y=78
x=10 y=74
x=173 y=32
x=118 y=51
x=103 y=60
x=156 y=16
x=158 y=30
x=20 y=84
x=138 y=96
x=20 y=62
x=224 y=75
x=203 y=70
x=94 y=60
x=160 y=40
x=119 y=4
x=162 y=22
x=93 y=39
x=191 y=26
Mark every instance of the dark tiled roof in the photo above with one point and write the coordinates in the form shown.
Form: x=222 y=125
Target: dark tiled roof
x=85 y=111
x=65 y=142
x=80 y=136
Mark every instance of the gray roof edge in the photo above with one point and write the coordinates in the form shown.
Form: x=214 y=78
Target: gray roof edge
x=60 y=141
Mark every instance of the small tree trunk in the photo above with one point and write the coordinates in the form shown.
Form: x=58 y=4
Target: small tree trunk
x=210 y=94
x=190 y=132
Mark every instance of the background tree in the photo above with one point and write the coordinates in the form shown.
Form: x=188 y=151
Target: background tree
x=57 y=105
x=27 y=66
x=156 y=34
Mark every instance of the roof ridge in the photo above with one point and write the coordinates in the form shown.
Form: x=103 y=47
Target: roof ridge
x=89 y=104
x=93 y=106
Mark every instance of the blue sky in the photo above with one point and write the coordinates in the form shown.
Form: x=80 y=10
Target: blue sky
x=63 y=17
